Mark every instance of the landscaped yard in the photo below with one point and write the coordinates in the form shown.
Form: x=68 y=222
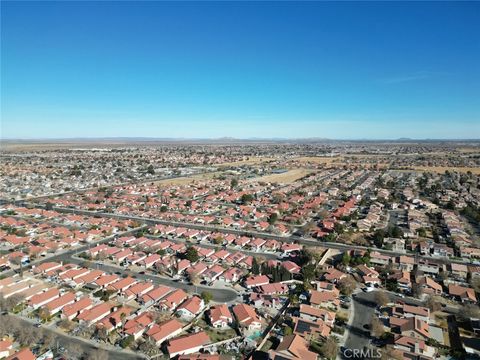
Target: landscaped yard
x=220 y=335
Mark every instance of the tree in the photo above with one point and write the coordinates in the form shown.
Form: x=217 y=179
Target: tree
x=392 y=285
x=433 y=304
x=304 y=257
x=98 y=354
x=6 y=325
x=9 y=303
x=308 y=272
x=195 y=278
x=287 y=330
x=417 y=290
x=150 y=169
x=377 y=328
x=339 y=228
x=329 y=348
x=102 y=333
x=234 y=183
x=347 y=285
x=17 y=260
x=66 y=325
x=191 y=254
x=246 y=198
x=206 y=296
x=381 y=298
x=255 y=266
x=127 y=341
x=74 y=350
x=161 y=316
x=346 y=258
x=26 y=334
x=378 y=237
x=394 y=232
x=43 y=314
x=470 y=311
x=475 y=282
x=149 y=348
x=273 y=218
x=422 y=232
x=48 y=340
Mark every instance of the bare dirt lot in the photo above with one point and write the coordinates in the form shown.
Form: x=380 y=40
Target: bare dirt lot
x=188 y=179
x=285 y=178
x=441 y=169
x=251 y=161
x=319 y=160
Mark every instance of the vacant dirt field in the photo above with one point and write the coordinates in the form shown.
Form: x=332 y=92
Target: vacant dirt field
x=188 y=179
x=252 y=161
x=473 y=149
x=284 y=178
x=318 y=160
x=441 y=169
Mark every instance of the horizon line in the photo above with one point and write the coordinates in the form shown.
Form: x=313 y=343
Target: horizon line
x=228 y=138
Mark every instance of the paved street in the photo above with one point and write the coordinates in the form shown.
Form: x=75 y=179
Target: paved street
x=220 y=295
x=363 y=307
x=64 y=340
x=287 y=239
x=266 y=255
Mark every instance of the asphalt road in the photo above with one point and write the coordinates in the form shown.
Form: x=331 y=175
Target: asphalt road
x=65 y=256
x=268 y=256
x=287 y=239
x=363 y=307
x=219 y=294
x=66 y=341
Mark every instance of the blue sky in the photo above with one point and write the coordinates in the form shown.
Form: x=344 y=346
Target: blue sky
x=373 y=70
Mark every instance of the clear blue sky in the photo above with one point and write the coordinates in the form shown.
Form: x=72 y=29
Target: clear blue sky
x=314 y=69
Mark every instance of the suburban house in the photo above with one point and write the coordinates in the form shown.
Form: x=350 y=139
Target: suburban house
x=462 y=293
x=164 y=331
x=172 y=300
x=187 y=344
x=220 y=316
x=190 y=308
x=258 y=280
x=247 y=317
x=292 y=347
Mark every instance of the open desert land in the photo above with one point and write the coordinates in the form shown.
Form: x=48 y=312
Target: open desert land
x=442 y=169
x=317 y=159
x=251 y=161
x=287 y=177
x=188 y=179
x=470 y=151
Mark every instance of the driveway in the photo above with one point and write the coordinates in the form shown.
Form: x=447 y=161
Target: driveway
x=363 y=308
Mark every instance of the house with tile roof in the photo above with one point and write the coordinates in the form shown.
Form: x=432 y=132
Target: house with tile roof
x=292 y=347
x=190 y=307
x=187 y=344
x=164 y=331
x=247 y=317
x=220 y=316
